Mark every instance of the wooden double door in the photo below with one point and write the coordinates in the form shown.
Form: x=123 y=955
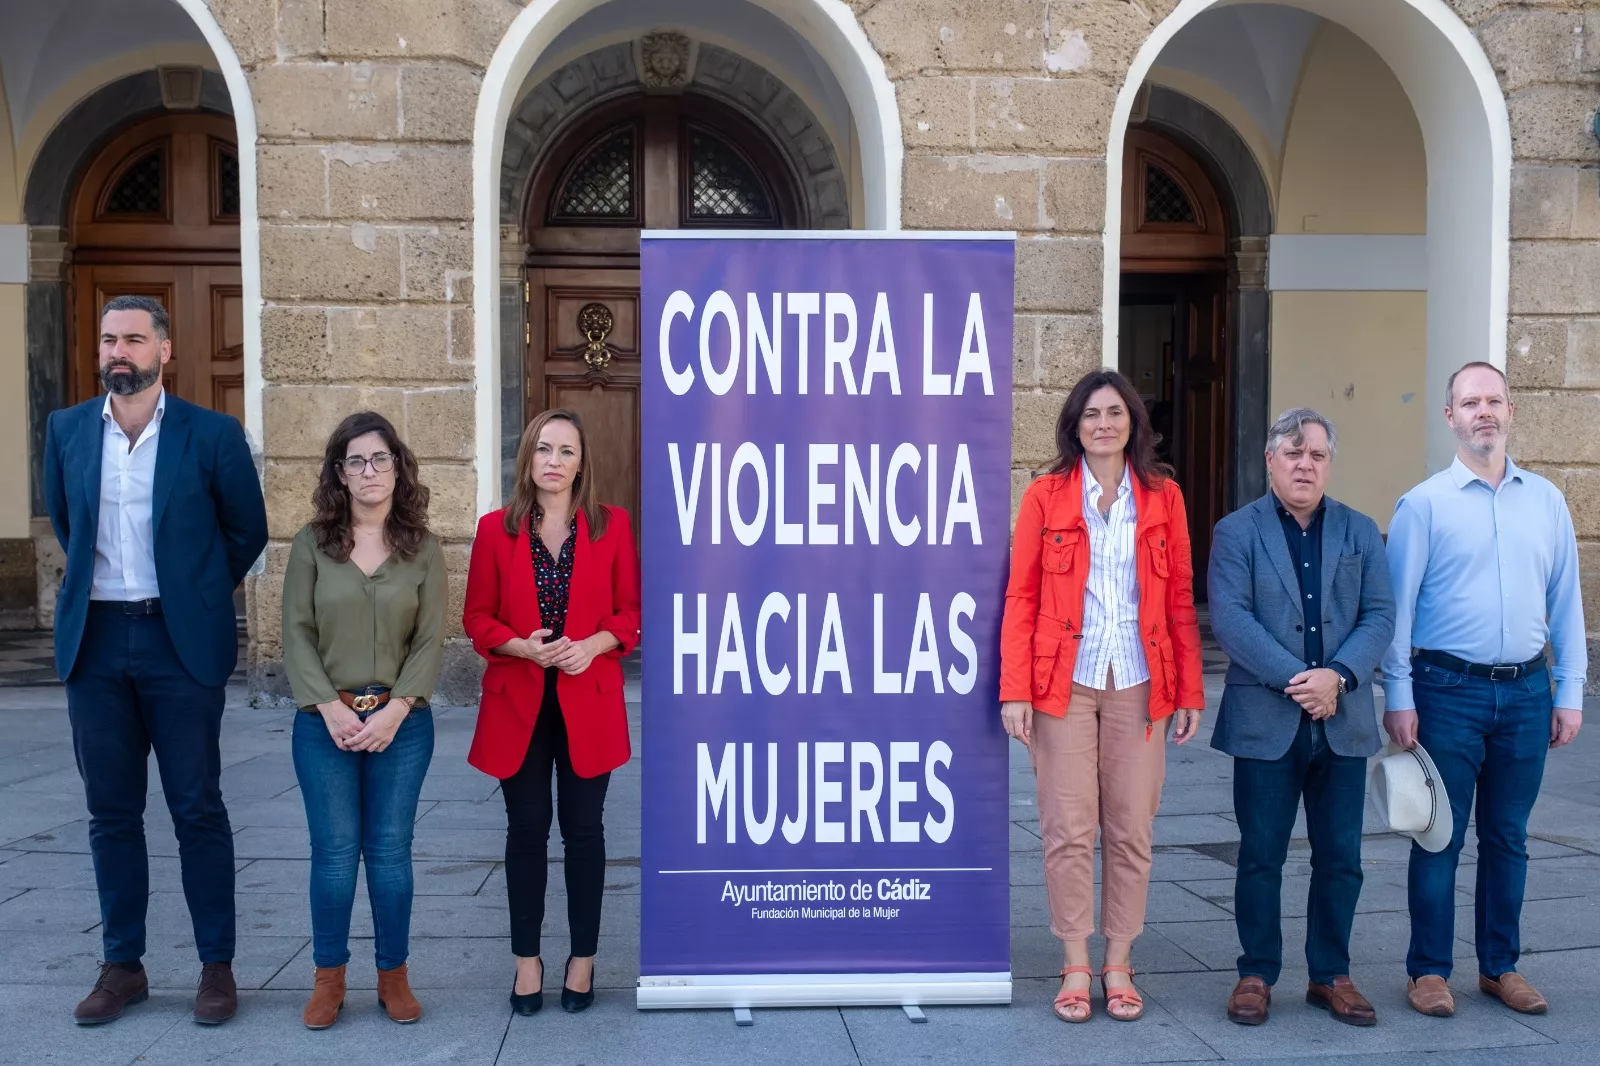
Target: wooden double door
x=157 y=214
x=656 y=162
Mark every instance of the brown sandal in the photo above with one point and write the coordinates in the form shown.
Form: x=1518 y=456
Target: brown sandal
x=1073 y=998
x=1118 y=996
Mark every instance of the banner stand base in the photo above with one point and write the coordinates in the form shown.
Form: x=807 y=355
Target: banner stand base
x=741 y=992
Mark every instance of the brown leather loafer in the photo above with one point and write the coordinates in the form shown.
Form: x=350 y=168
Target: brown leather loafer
x=115 y=990
x=218 y=997
x=1429 y=994
x=1511 y=989
x=1341 y=1000
x=1249 y=1002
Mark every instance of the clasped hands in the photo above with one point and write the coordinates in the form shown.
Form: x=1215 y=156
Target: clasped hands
x=567 y=655
x=350 y=733
x=1317 y=691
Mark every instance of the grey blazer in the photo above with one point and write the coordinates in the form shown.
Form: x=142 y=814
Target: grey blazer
x=1257 y=617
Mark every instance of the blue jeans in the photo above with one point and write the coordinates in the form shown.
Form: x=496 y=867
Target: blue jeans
x=361 y=806
x=1491 y=736
x=128 y=696
x=1266 y=796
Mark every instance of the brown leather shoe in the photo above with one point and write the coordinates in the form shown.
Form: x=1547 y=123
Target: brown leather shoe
x=116 y=989
x=1341 y=1000
x=218 y=998
x=1515 y=992
x=1429 y=994
x=1249 y=1002
x=327 y=998
x=394 y=996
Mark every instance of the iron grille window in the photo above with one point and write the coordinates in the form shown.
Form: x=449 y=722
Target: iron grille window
x=139 y=190
x=227 y=184
x=723 y=185
x=1164 y=200
x=601 y=186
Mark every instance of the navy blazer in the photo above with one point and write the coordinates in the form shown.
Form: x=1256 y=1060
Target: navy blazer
x=210 y=525
x=1257 y=615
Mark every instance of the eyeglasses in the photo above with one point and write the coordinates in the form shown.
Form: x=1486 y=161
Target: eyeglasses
x=382 y=463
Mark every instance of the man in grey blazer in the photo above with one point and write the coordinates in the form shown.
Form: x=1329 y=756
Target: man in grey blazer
x=1300 y=601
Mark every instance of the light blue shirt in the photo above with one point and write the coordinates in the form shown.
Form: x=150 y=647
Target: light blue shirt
x=1486 y=575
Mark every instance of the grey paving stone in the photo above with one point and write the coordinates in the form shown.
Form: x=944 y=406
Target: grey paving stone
x=473 y=962
x=37 y=1022
x=73 y=959
x=1381 y=937
x=1024 y=1033
x=42 y=910
x=459 y=814
x=23 y=814
x=284 y=810
x=1194 y=829
x=1036 y=953
x=1547 y=878
x=1570 y=980
x=475 y=788
x=456 y=1027
x=271 y=842
x=621 y=877
x=1384 y=891
x=1296 y=1030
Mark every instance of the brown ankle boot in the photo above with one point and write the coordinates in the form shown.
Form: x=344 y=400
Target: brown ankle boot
x=327 y=998
x=394 y=996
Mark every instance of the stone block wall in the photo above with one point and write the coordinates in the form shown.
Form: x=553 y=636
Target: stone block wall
x=366 y=110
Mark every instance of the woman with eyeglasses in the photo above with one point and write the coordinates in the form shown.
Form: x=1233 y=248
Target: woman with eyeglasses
x=364 y=601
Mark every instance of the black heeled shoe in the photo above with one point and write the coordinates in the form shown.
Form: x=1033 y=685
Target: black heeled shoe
x=573 y=1002
x=532 y=1001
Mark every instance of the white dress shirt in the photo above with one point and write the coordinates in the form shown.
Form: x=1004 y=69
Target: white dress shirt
x=124 y=543
x=1111 y=600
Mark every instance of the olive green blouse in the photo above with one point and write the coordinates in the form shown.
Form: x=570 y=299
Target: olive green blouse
x=345 y=630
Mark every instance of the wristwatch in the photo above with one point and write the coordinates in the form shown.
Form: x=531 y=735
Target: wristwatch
x=1343 y=685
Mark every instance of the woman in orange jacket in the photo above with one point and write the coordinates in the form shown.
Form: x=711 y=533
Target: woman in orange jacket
x=1099 y=656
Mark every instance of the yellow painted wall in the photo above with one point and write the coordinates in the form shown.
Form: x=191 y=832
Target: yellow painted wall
x=1354 y=163
x=13 y=358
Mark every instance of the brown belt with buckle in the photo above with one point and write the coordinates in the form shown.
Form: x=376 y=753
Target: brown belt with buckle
x=370 y=698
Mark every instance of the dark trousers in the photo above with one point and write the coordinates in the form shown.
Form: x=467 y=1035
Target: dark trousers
x=129 y=695
x=1266 y=796
x=1488 y=737
x=580 y=806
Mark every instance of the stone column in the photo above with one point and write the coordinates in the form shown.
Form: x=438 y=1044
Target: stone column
x=513 y=351
x=1251 y=384
x=365 y=111
x=46 y=314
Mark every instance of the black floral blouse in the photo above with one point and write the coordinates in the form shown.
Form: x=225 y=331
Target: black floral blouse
x=552 y=576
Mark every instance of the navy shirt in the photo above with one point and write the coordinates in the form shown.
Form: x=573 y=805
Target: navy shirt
x=1305 y=551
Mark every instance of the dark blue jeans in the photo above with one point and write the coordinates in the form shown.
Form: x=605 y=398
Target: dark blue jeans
x=1266 y=797
x=1492 y=737
x=361 y=806
x=129 y=695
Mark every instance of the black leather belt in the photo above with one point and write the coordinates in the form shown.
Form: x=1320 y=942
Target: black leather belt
x=1493 y=671
x=133 y=607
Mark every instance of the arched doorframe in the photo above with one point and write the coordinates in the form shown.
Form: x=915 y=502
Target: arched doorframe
x=829 y=25
x=1246 y=199
x=1466 y=133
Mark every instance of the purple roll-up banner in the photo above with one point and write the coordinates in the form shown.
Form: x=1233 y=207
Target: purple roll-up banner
x=826 y=487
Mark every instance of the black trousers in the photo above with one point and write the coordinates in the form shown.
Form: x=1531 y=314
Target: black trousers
x=579 y=807
x=129 y=695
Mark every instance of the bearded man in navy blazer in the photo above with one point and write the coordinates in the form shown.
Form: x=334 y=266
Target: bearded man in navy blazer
x=158 y=508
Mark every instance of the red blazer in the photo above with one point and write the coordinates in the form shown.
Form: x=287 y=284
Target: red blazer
x=503 y=603
x=1043 y=620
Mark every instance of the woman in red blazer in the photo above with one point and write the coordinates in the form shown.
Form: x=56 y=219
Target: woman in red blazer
x=553 y=605
x=1099 y=654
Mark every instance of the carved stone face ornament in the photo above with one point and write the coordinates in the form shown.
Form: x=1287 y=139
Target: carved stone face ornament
x=665 y=61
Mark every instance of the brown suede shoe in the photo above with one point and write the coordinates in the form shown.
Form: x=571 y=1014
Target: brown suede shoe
x=218 y=998
x=1515 y=992
x=327 y=998
x=1341 y=1000
x=116 y=989
x=394 y=996
x=1249 y=1002
x=1429 y=994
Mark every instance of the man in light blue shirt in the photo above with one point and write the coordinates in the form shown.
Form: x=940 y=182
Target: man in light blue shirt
x=1484 y=564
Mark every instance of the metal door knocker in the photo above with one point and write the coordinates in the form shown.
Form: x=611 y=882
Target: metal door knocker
x=595 y=322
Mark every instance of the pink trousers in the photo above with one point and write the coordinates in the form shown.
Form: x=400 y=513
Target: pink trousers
x=1097 y=769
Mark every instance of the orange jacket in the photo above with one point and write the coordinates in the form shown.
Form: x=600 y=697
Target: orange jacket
x=1044 y=598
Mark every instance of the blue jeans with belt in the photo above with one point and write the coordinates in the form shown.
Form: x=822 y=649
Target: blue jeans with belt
x=361 y=806
x=1266 y=797
x=1488 y=737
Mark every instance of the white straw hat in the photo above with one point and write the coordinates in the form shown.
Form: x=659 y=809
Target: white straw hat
x=1410 y=797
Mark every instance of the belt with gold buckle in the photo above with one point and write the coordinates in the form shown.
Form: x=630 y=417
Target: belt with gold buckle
x=370 y=698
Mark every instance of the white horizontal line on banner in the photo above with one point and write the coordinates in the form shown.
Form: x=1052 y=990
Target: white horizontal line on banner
x=830 y=235
x=851 y=870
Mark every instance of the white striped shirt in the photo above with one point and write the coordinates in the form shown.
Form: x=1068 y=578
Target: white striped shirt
x=1111 y=600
